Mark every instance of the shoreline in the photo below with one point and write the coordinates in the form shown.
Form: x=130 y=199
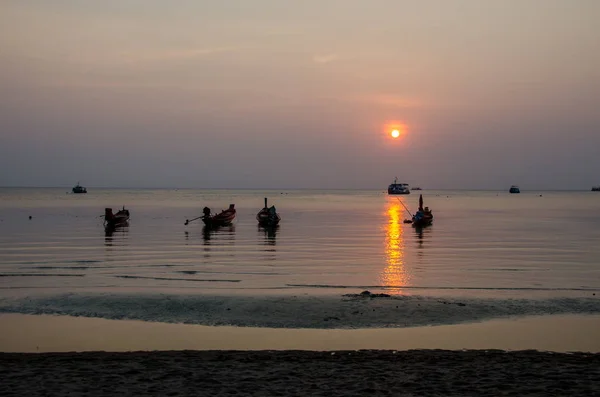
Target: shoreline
x=48 y=333
x=347 y=311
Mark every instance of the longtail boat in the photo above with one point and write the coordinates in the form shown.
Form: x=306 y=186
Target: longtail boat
x=223 y=218
x=423 y=216
x=111 y=221
x=268 y=216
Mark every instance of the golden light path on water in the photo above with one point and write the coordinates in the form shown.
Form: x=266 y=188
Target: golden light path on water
x=394 y=275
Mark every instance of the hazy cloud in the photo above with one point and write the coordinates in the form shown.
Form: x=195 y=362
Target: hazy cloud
x=325 y=58
x=147 y=93
x=391 y=100
x=145 y=56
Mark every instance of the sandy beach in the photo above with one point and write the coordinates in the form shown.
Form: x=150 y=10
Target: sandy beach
x=301 y=373
x=54 y=356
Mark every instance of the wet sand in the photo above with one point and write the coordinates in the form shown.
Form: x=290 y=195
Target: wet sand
x=301 y=373
x=29 y=333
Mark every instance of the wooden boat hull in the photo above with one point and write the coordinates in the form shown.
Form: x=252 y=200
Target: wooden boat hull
x=222 y=219
x=112 y=221
x=422 y=222
x=268 y=216
x=264 y=218
x=423 y=217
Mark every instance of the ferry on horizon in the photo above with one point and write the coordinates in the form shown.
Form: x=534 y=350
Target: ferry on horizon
x=79 y=189
x=514 y=189
x=398 y=188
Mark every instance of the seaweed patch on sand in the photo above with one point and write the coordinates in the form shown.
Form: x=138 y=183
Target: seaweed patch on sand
x=328 y=312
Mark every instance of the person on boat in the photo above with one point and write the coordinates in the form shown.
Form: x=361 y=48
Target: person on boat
x=272 y=213
x=206 y=212
x=419 y=214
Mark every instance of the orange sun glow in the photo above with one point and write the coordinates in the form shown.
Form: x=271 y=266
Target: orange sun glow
x=395 y=129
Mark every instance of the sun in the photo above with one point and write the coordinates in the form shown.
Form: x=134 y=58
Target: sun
x=394 y=131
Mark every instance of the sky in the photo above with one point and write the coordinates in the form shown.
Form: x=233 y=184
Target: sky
x=300 y=94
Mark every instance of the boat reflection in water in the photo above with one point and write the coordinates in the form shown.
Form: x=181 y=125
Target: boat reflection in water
x=212 y=240
x=217 y=238
x=269 y=232
x=423 y=234
x=394 y=276
x=219 y=234
x=115 y=236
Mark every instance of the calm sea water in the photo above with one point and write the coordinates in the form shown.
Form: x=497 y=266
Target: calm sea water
x=482 y=244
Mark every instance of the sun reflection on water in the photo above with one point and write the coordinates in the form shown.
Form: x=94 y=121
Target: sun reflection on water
x=394 y=276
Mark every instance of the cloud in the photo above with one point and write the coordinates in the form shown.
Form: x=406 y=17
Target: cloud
x=325 y=58
x=108 y=58
x=182 y=54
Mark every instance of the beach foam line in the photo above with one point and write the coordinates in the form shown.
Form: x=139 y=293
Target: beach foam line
x=328 y=312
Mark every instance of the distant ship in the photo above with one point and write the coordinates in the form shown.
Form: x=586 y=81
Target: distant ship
x=79 y=189
x=514 y=189
x=398 y=188
x=595 y=188
x=416 y=188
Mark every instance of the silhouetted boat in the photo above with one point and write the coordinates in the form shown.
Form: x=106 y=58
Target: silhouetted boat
x=398 y=188
x=268 y=216
x=111 y=221
x=416 y=188
x=79 y=189
x=223 y=218
x=595 y=188
x=423 y=216
x=514 y=189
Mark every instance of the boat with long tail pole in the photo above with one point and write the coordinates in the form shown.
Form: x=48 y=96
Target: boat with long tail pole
x=113 y=221
x=268 y=216
x=423 y=216
x=223 y=218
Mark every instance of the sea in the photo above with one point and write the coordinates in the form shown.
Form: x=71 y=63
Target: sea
x=487 y=254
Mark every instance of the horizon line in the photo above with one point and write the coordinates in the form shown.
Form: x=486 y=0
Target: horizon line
x=284 y=188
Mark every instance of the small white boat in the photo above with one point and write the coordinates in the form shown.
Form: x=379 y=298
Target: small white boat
x=398 y=188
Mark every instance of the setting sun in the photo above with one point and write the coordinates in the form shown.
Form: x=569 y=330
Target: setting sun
x=395 y=130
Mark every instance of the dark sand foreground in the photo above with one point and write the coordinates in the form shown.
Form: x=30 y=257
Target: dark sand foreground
x=300 y=373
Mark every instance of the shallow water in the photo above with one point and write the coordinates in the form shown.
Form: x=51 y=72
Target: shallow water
x=534 y=245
